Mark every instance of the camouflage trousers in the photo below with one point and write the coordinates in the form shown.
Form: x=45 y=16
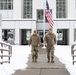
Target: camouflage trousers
x=34 y=51
x=50 y=49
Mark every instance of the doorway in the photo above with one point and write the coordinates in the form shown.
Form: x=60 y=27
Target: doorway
x=62 y=36
x=8 y=34
x=41 y=34
x=25 y=36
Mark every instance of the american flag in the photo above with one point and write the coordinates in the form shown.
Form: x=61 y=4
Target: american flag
x=48 y=15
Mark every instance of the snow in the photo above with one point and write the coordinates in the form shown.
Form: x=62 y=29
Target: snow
x=20 y=56
x=5 y=42
x=18 y=60
x=64 y=55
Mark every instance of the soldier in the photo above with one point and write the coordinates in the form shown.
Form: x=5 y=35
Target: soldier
x=35 y=42
x=50 y=40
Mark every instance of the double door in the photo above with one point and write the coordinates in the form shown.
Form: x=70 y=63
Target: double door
x=41 y=34
x=62 y=36
x=25 y=36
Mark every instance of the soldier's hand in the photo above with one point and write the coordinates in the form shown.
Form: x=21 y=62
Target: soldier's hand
x=38 y=44
x=45 y=44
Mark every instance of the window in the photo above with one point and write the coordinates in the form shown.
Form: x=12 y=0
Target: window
x=59 y=34
x=25 y=36
x=7 y=34
x=27 y=9
x=40 y=15
x=6 y=4
x=60 y=8
x=74 y=34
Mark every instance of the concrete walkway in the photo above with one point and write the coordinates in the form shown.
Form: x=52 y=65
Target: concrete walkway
x=42 y=67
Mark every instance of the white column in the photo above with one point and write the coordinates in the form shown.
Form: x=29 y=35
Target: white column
x=17 y=9
x=71 y=9
x=17 y=35
x=0 y=28
x=71 y=33
x=55 y=28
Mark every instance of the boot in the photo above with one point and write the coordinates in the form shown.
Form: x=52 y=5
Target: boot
x=52 y=59
x=32 y=58
x=35 y=60
x=48 y=58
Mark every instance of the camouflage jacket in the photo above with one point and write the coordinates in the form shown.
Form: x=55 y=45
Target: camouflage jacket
x=34 y=40
x=50 y=38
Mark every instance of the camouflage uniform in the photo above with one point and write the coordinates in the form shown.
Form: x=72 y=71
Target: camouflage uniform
x=34 y=41
x=50 y=39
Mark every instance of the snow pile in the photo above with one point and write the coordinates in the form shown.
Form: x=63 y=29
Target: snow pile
x=20 y=55
x=64 y=55
x=19 y=60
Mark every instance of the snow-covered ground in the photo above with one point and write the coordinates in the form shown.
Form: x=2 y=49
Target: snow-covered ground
x=64 y=55
x=20 y=55
x=18 y=60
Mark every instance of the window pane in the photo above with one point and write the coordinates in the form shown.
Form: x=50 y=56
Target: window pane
x=1 y=0
x=60 y=9
x=27 y=11
x=9 y=5
x=1 y=5
x=6 y=4
x=74 y=34
x=9 y=1
x=40 y=15
x=12 y=5
x=5 y=0
x=7 y=35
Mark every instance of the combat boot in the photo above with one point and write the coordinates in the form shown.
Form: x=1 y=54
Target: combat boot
x=32 y=58
x=48 y=58
x=35 y=60
x=52 y=59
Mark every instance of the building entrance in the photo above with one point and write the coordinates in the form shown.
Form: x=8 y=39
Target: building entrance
x=8 y=35
x=62 y=36
x=41 y=34
x=25 y=36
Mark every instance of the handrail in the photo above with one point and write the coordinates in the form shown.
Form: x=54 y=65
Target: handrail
x=4 y=47
x=72 y=53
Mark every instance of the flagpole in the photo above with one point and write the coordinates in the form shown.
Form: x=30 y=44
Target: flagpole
x=44 y=23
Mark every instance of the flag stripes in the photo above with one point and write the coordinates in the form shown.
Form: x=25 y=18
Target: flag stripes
x=48 y=15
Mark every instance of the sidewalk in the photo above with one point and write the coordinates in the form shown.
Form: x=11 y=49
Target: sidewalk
x=42 y=67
